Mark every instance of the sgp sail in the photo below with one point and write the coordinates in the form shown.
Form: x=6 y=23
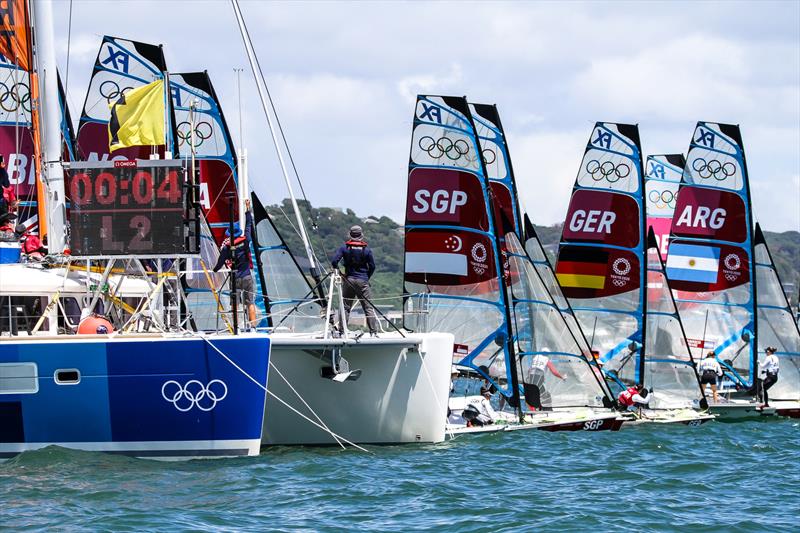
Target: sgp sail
x=453 y=279
x=601 y=259
x=710 y=257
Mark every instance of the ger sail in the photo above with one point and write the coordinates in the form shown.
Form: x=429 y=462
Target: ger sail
x=777 y=329
x=711 y=252
x=121 y=65
x=540 y=330
x=662 y=179
x=453 y=279
x=601 y=257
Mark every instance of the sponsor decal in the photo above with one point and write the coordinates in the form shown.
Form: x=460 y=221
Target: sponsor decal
x=460 y=349
x=701 y=344
x=621 y=267
x=479 y=255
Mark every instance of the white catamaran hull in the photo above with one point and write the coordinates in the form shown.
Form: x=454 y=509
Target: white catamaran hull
x=400 y=396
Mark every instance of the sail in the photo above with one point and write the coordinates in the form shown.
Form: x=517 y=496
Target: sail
x=662 y=178
x=290 y=300
x=710 y=251
x=669 y=369
x=550 y=357
x=16 y=139
x=213 y=146
x=201 y=283
x=452 y=267
x=776 y=325
x=601 y=254
x=121 y=65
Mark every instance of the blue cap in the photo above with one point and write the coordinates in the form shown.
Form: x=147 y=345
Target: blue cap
x=237 y=231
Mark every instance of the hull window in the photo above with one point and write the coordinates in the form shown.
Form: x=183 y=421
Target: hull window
x=19 y=378
x=67 y=376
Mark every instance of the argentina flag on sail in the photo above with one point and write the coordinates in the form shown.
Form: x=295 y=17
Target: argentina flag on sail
x=690 y=262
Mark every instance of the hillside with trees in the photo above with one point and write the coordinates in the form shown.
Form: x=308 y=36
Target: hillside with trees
x=328 y=229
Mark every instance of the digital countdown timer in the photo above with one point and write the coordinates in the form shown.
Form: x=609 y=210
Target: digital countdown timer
x=127 y=208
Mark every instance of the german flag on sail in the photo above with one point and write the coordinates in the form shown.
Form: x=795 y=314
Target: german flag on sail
x=581 y=267
x=137 y=118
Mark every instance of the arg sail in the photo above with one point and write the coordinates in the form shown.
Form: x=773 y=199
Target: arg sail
x=553 y=365
x=776 y=326
x=453 y=277
x=121 y=65
x=711 y=250
x=601 y=255
x=662 y=179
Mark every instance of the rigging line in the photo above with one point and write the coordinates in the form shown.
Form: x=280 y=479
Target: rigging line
x=69 y=42
x=254 y=380
x=277 y=120
x=275 y=369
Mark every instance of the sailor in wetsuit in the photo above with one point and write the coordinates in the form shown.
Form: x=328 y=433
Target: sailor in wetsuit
x=359 y=266
x=710 y=370
x=536 y=376
x=634 y=398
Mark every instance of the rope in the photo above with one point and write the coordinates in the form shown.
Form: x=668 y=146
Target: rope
x=254 y=380
x=275 y=368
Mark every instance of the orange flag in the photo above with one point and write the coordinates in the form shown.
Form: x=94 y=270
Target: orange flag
x=15 y=32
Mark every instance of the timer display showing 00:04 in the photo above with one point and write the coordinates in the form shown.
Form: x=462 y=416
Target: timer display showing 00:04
x=107 y=191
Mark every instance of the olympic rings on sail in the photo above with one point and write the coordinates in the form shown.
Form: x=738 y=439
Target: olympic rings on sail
x=444 y=146
x=15 y=97
x=607 y=170
x=487 y=153
x=706 y=169
x=192 y=394
x=202 y=131
x=110 y=90
x=663 y=199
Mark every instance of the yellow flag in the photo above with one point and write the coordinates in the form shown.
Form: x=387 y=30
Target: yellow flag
x=137 y=118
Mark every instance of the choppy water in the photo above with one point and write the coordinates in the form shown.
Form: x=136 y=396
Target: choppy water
x=719 y=477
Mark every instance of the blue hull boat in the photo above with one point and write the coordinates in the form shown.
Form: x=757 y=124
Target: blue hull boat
x=150 y=395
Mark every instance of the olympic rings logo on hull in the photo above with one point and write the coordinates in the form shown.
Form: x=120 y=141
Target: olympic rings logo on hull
x=202 y=132
x=662 y=199
x=445 y=147
x=110 y=90
x=707 y=169
x=15 y=97
x=194 y=394
x=607 y=170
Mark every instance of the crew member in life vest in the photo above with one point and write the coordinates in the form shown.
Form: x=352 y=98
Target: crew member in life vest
x=634 y=398
x=710 y=370
x=769 y=373
x=237 y=258
x=30 y=246
x=359 y=265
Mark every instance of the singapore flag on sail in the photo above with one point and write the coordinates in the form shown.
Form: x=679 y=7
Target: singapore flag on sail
x=454 y=264
x=689 y=262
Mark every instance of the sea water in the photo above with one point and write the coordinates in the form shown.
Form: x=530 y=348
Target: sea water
x=718 y=477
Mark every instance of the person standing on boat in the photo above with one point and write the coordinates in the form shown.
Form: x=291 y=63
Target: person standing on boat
x=769 y=371
x=710 y=371
x=540 y=364
x=359 y=265
x=237 y=257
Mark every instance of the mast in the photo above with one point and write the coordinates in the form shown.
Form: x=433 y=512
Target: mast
x=50 y=124
x=266 y=105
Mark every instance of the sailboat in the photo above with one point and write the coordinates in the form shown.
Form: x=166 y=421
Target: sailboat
x=609 y=269
x=777 y=328
x=341 y=388
x=456 y=278
x=710 y=261
x=137 y=391
x=567 y=385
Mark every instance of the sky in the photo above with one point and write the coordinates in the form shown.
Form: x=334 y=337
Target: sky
x=344 y=77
